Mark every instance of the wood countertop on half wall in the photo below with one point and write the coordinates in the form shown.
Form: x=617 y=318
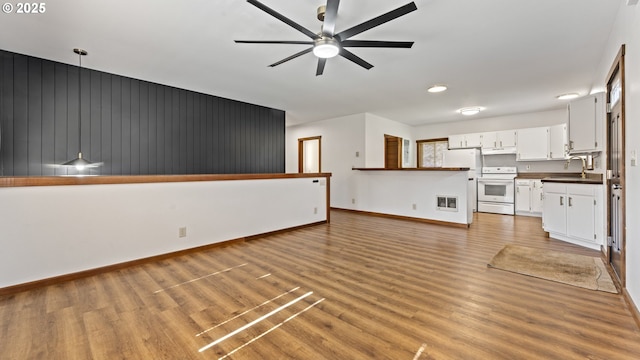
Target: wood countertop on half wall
x=18 y=181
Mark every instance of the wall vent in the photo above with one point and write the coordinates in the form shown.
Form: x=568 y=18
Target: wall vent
x=447 y=203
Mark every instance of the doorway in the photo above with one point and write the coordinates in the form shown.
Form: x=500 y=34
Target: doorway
x=392 y=152
x=615 y=167
x=309 y=155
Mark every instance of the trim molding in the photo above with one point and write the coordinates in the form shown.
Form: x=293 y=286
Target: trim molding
x=632 y=306
x=409 y=218
x=16 y=181
x=14 y=289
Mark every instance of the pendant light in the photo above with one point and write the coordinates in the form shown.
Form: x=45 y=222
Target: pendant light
x=80 y=163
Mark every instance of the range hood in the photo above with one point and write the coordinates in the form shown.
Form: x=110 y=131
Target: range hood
x=499 y=151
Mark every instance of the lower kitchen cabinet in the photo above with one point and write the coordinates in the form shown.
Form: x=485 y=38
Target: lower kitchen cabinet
x=529 y=197
x=573 y=213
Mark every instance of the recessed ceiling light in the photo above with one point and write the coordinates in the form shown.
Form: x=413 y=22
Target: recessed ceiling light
x=567 y=96
x=468 y=111
x=437 y=88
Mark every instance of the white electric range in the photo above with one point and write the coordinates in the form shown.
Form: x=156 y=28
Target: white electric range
x=496 y=190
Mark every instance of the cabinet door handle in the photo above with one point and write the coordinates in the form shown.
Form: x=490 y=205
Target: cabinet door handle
x=570 y=201
x=541 y=197
x=561 y=200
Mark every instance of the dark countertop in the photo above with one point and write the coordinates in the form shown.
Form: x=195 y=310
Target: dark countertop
x=572 y=180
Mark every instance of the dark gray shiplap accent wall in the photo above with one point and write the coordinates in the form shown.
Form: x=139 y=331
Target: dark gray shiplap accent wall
x=133 y=126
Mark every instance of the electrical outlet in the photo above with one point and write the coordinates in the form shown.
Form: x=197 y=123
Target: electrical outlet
x=182 y=232
x=353 y=201
x=414 y=206
x=357 y=153
x=528 y=167
x=315 y=210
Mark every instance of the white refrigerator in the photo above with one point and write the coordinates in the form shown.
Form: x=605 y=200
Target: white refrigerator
x=472 y=159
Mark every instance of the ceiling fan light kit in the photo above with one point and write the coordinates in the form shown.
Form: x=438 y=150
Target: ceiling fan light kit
x=327 y=43
x=326 y=48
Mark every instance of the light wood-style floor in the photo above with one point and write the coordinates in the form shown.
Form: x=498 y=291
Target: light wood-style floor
x=361 y=287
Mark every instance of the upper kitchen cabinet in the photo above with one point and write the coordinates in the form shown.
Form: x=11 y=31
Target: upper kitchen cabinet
x=586 y=122
x=558 y=142
x=542 y=143
x=464 y=141
x=503 y=142
x=533 y=144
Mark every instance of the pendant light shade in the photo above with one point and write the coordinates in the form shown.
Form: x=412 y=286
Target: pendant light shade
x=80 y=163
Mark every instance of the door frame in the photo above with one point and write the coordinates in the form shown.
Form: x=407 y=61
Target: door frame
x=617 y=68
x=301 y=152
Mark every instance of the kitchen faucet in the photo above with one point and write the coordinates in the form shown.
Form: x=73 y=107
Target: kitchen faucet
x=584 y=164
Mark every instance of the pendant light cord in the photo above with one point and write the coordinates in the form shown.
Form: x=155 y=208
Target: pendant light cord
x=80 y=103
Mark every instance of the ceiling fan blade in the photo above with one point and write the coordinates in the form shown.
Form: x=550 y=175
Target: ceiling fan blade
x=273 y=42
x=330 y=15
x=374 y=43
x=321 y=63
x=283 y=18
x=356 y=59
x=292 y=57
x=391 y=15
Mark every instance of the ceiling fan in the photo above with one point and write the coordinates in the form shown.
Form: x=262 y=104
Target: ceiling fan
x=327 y=44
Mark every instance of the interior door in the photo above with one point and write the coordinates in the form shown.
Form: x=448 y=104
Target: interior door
x=392 y=152
x=616 y=168
x=309 y=151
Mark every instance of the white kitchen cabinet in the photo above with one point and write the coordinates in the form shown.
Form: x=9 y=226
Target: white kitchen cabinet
x=558 y=142
x=533 y=144
x=499 y=140
x=586 y=122
x=571 y=213
x=536 y=197
x=542 y=143
x=528 y=197
x=464 y=141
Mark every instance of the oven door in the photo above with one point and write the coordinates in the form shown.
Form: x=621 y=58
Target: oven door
x=496 y=190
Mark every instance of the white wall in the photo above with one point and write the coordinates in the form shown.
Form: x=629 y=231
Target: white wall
x=518 y=121
x=49 y=231
x=627 y=31
x=341 y=139
x=376 y=128
x=395 y=192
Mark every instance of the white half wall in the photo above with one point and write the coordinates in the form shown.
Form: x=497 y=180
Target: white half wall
x=49 y=231
x=397 y=192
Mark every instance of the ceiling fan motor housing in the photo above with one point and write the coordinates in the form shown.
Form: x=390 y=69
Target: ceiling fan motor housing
x=322 y=9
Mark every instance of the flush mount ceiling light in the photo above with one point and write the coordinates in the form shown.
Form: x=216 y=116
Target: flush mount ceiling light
x=568 y=96
x=326 y=47
x=468 y=111
x=437 y=88
x=80 y=163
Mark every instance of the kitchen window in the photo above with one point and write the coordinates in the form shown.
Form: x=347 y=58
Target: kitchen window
x=430 y=152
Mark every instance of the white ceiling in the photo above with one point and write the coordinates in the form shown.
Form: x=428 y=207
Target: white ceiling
x=509 y=56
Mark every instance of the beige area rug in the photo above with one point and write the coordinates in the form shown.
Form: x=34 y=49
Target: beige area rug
x=577 y=270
